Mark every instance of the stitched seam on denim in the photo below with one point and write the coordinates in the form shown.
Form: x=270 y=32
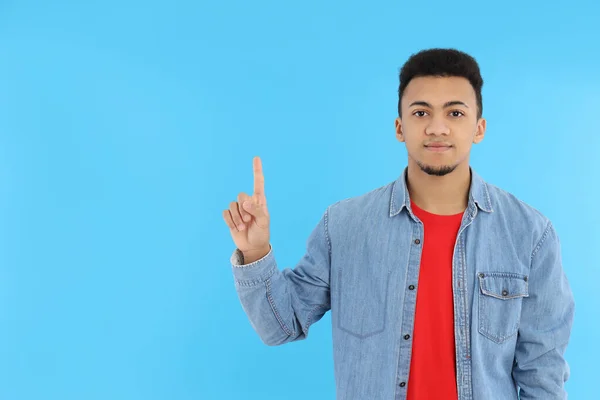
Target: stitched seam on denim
x=487 y=194
x=310 y=316
x=258 y=281
x=327 y=231
x=542 y=240
x=487 y=332
x=457 y=344
x=483 y=329
x=462 y=252
x=393 y=210
x=501 y=338
x=272 y=303
x=513 y=275
x=494 y=295
x=394 y=188
x=392 y=200
x=509 y=275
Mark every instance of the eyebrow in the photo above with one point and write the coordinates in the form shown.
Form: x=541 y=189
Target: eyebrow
x=446 y=105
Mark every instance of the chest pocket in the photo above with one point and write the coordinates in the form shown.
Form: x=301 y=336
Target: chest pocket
x=363 y=302
x=500 y=300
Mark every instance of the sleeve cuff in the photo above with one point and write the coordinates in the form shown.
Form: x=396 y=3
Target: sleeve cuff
x=253 y=273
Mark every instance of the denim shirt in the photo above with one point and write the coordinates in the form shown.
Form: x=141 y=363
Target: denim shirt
x=513 y=306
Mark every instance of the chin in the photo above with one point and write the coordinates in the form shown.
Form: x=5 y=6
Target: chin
x=436 y=169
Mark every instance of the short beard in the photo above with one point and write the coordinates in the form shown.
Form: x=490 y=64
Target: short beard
x=436 y=171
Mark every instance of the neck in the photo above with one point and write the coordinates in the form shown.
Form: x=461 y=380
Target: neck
x=443 y=195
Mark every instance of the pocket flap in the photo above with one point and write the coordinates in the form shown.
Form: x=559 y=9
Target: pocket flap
x=503 y=285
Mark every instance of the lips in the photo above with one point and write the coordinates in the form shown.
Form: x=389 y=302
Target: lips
x=438 y=147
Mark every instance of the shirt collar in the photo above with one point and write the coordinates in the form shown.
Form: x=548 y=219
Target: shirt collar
x=478 y=194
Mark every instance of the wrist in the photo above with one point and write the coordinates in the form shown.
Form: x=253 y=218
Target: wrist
x=251 y=256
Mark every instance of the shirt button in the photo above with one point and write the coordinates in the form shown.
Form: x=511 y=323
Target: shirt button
x=412 y=287
x=402 y=384
x=417 y=241
x=505 y=293
x=406 y=337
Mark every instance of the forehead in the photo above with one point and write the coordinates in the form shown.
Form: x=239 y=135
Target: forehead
x=438 y=90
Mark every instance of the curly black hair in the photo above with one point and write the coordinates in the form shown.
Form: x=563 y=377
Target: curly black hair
x=442 y=62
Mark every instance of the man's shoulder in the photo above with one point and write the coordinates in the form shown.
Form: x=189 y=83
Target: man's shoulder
x=512 y=208
x=377 y=199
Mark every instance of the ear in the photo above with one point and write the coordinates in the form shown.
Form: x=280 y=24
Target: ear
x=480 y=132
x=399 y=134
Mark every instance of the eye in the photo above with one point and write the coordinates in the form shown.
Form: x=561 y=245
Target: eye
x=419 y=113
x=457 y=114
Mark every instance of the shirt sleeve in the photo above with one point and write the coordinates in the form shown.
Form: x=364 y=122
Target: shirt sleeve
x=281 y=305
x=540 y=368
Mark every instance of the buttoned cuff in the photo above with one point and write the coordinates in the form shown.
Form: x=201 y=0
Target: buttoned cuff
x=254 y=273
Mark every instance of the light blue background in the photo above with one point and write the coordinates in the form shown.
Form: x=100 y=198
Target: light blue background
x=126 y=127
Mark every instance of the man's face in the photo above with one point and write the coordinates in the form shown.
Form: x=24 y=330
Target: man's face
x=439 y=123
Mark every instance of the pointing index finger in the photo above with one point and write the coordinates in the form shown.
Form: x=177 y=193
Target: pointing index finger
x=259 y=181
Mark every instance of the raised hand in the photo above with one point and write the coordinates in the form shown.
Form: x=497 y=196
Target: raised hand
x=248 y=219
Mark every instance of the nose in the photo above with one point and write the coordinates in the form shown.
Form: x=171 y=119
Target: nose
x=437 y=127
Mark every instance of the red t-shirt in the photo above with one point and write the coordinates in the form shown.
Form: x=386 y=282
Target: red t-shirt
x=433 y=361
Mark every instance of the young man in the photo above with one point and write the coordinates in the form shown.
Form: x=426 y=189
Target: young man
x=440 y=285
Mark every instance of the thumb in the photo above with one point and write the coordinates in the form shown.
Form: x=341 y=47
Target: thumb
x=257 y=212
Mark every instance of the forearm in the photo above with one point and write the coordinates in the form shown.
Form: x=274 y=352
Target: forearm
x=546 y=321
x=268 y=308
x=281 y=305
x=543 y=377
